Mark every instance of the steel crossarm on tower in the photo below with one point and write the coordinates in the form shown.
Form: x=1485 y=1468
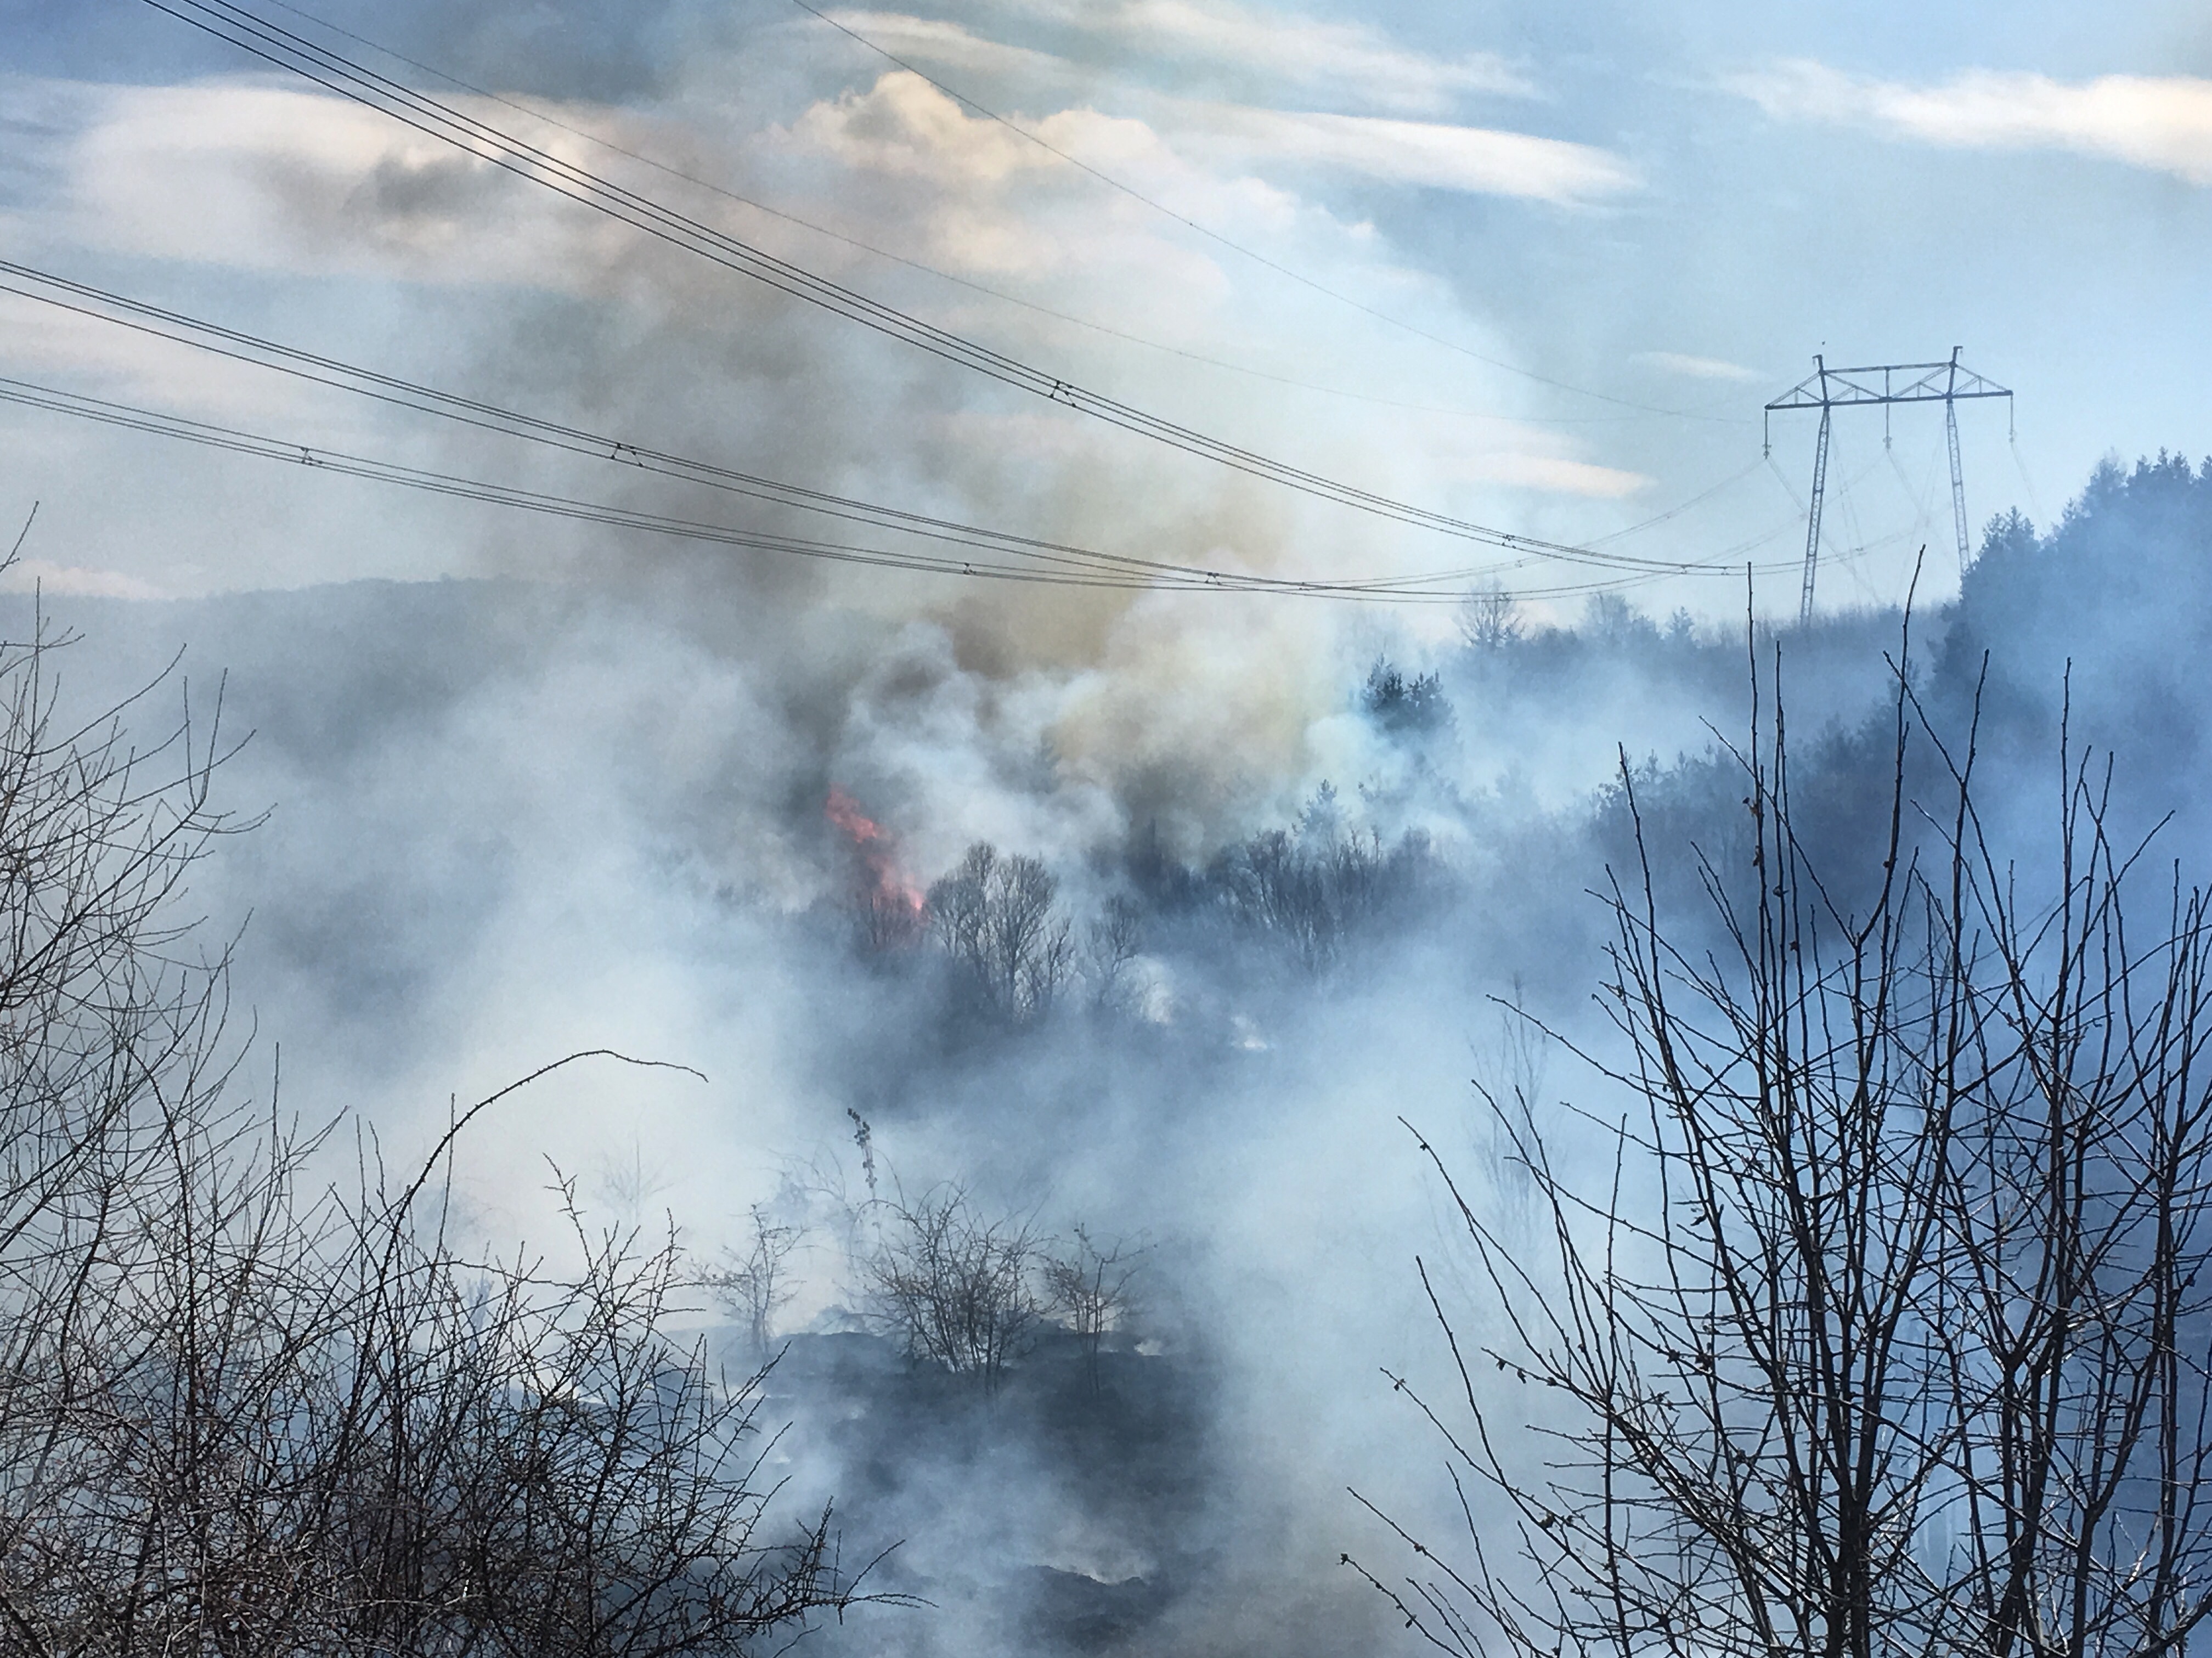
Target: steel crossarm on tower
x=1879 y=384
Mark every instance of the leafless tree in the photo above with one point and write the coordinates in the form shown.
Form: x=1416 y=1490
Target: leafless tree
x=1313 y=892
x=1489 y=621
x=887 y=919
x=1890 y=1329
x=1509 y=1075
x=1278 y=887
x=1112 y=944
x=959 y=1289
x=995 y=917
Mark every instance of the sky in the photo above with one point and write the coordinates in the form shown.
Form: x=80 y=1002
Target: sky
x=1537 y=269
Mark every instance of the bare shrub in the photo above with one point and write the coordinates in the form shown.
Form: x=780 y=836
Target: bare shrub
x=1091 y=1289
x=241 y=1414
x=958 y=1289
x=627 y=1184
x=755 y=1283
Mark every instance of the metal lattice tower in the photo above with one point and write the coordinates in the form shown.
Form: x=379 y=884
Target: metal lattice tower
x=1830 y=389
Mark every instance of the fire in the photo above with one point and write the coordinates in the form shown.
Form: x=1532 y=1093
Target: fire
x=890 y=903
x=845 y=812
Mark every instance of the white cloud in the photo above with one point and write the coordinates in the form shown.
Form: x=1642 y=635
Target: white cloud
x=932 y=134
x=902 y=125
x=2160 y=123
x=1700 y=368
x=1346 y=58
x=1482 y=160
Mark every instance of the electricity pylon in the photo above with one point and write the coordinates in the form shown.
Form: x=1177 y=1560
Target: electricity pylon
x=1830 y=389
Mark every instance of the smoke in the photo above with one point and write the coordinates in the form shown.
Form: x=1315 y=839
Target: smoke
x=509 y=820
x=583 y=792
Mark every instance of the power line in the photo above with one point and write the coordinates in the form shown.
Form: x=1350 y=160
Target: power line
x=1213 y=235
x=83 y=299
x=973 y=286
x=322 y=66
x=345 y=464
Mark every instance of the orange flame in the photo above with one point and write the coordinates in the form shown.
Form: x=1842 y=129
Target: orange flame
x=890 y=904
x=842 y=809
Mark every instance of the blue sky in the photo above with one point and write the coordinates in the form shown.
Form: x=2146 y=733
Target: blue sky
x=1670 y=208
